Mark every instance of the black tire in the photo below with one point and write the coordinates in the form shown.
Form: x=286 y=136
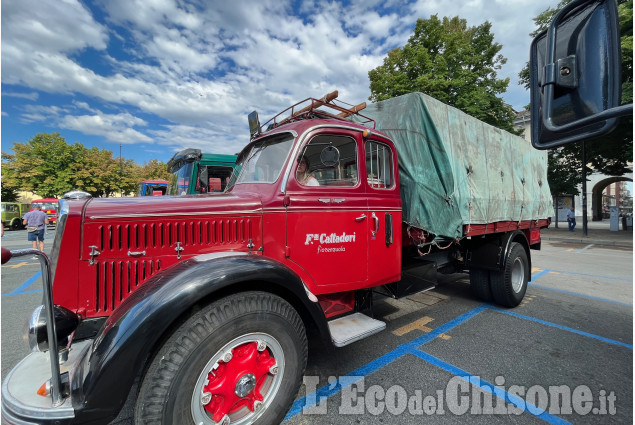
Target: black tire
x=182 y=368
x=510 y=284
x=480 y=284
x=16 y=224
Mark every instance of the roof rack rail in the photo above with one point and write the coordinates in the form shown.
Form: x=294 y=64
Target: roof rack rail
x=342 y=111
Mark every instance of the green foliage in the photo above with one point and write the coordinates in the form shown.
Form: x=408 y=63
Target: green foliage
x=8 y=194
x=609 y=155
x=49 y=167
x=451 y=62
x=154 y=170
x=41 y=165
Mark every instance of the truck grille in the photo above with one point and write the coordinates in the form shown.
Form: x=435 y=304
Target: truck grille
x=115 y=280
x=130 y=253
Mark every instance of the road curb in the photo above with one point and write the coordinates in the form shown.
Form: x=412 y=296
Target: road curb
x=589 y=241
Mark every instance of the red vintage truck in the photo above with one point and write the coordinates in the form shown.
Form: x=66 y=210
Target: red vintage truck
x=197 y=309
x=49 y=206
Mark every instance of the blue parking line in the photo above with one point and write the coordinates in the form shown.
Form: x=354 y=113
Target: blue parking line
x=486 y=386
x=21 y=288
x=539 y=274
x=577 y=294
x=564 y=328
x=311 y=399
x=580 y=251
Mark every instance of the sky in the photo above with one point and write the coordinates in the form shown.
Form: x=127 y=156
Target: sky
x=152 y=77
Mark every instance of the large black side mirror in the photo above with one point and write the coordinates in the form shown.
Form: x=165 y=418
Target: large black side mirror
x=575 y=69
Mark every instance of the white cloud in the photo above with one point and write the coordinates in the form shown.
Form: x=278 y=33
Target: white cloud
x=202 y=67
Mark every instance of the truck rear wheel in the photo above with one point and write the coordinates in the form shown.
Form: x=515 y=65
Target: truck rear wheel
x=510 y=284
x=16 y=224
x=479 y=284
x=239 y=360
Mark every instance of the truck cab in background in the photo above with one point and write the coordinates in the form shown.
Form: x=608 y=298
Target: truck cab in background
x=194 y=172
x=50 y=206
x=12 y=213
x=153 y=188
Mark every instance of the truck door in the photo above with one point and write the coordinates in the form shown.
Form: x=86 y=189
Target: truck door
x=384 y=213
x=327 y=212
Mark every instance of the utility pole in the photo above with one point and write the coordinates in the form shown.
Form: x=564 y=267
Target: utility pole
x=584 y=216
x=120 y=170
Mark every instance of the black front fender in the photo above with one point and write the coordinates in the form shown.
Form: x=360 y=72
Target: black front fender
x=131 y=333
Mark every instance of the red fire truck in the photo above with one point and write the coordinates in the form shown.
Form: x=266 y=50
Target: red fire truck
x=207 y=301
x=49 y=206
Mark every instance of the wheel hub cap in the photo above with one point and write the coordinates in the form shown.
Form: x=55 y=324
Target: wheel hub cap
x=245 y=385
x=236 y=381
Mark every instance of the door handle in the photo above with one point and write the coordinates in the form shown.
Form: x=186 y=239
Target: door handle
x=361 y=218
x=136 y=253
x=324 y=200
x=376 y=219
x=338 y=200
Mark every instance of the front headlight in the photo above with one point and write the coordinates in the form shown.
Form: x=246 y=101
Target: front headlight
x=65 y=324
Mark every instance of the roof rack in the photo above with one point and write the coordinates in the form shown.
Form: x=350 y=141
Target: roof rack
x=311 y=111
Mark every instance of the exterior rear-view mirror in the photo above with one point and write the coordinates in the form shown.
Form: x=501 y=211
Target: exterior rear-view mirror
x=575 y=69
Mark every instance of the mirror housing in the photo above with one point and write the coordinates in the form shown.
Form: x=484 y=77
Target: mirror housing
x=254 y=124
x=575 y=75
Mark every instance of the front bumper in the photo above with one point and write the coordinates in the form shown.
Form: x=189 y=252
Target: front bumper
x=21 y=405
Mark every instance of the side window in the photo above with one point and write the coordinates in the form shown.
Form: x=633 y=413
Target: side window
x=328 y=160
x=379 y=165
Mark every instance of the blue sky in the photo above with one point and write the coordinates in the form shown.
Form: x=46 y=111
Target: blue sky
x=162 y=75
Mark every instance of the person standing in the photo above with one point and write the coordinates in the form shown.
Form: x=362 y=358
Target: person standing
x=36 y=220
x=571 y=219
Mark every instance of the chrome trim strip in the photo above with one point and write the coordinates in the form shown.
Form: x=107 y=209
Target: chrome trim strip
x=172 y=214
x=215 y=255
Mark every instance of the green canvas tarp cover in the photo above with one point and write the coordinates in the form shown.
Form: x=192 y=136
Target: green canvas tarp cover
x=457 y=170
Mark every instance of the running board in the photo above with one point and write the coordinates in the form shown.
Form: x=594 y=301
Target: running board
x=351 y=328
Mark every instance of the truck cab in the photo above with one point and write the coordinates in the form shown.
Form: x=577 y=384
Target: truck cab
x=194 y=172
x=49 y=206
x=12 y=213
x=153 y=187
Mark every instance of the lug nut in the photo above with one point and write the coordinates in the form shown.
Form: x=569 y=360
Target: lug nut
x=262 y=345
x=273 y=369
x=227 y=357
x=206 y=398
x=225 y=420
x=257 y=405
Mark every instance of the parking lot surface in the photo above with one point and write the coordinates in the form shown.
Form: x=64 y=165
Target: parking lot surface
x=565 y=355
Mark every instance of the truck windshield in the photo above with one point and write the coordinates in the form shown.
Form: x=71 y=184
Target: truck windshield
x=264 y=162
x=180 y=180
x=45 y=205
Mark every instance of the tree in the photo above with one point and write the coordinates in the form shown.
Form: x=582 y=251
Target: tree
x=49 y=167
x=607 y=155
x=451 y=62
x=99 y=174
x=154 y=170
x=9 y=194
x=42 y=165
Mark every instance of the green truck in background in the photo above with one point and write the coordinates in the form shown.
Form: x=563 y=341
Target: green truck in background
x=12 y=213
x=194 y=172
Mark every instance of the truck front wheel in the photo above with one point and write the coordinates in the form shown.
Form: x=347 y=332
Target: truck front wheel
x=239 y=360
x=510 y=284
